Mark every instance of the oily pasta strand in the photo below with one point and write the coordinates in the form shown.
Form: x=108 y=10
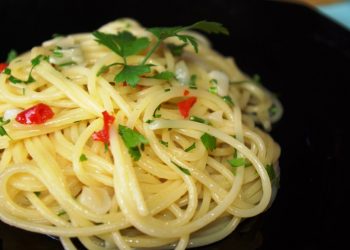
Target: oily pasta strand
x=56 y=179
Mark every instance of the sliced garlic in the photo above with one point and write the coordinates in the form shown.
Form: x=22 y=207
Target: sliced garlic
x=69 y=55
x=222 y=82
x=216 y=116
x=11 y=114
x=182 y=73
x=96 y=199
x=61 y=41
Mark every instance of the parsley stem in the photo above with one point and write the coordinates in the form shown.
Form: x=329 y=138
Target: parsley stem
x=151 y=51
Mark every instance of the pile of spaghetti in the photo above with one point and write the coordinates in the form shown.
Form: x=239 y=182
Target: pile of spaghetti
x=134 y=138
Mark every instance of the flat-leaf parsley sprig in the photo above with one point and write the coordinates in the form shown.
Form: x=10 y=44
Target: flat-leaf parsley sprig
x=125 y=44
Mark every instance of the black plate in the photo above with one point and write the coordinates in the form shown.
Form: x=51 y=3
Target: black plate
x=300 y=55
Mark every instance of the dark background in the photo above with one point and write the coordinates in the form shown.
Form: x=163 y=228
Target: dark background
x=300 y=55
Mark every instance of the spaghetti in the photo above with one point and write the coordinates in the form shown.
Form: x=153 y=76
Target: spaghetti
x=174 y=162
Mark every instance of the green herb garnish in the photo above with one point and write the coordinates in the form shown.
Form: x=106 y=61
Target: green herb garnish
x=61 y=213
x=270 y=171
x=2 y=129
x=228 y=100
x=198 y=119
x=11 y=55
x=67 y=64
x=132 y=140
x=193 y=146
x=35 y=62
x=208 y=141
x=126 y=44
x=184 y=170
x=192 y=84
x=83 y=157
x=176 y=50
x=155 y=111
x=149 y=121
x=165 y=143
x=165 y=75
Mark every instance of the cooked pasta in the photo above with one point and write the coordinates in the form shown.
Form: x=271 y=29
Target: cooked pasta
x=170 y=160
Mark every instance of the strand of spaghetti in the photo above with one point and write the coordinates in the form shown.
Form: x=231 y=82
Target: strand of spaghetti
x=266 y=184
x=72 y=91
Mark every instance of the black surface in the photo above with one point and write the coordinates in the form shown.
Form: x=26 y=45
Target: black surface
x=300 y=55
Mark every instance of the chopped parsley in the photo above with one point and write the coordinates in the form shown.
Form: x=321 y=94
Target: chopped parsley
x=208 y=141
x=37 y=193
x=132 y=140
x=238 y=162
x=272 y=110
x=198 y=119
x=61 y=213
x=190 y=148
x=270 y=171
x=165 y=75
x=155 y=115
x=11 y=55
x=184 y=170
x=192 y=84
x=165 y=143
x=2 y=129
x=67 y=64
x=83 y=157
x=228 y=100
x=35 y=62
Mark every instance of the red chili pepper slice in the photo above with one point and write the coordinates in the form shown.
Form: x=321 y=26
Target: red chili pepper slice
x=186 y=92
x=37 y=114
x=185 y=106
x=103 y=135
x=3 y=66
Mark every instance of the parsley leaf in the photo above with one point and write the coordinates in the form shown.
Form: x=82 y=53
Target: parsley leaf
x=131 y=74
x=135 y=153
x=124 y=43
x=130 y=137
x=184 y=170
x=189 y=39
x=37 y=193
x=208 y=141
x=104 y=68
x=176 y=50
x=209 y=27
x=132 y=140
x=11 y=55
x=164 y=32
